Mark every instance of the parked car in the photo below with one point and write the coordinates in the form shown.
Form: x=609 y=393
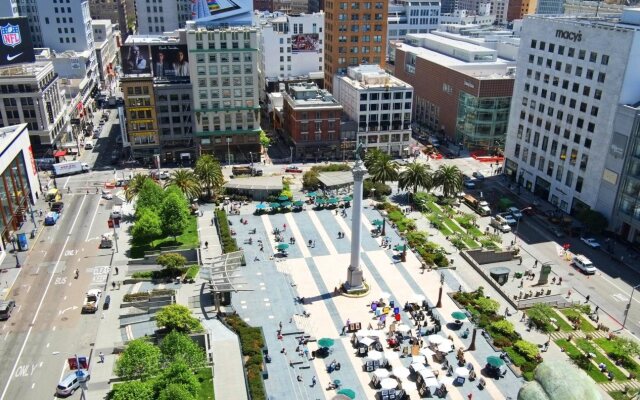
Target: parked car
x=509 y=218
x=293 y=169
x=164 y=175
x=6 y=307
x=515 y=213
x=71 y=382
x=51 y=218
x=478 y=176
x=591 y=242
x=470 y=184
x=557 y=232
x=106 y=194
x=57 y=207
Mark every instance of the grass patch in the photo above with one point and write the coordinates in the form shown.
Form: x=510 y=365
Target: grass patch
x=587 y=347
x=472 y=244
x=205 y=377
x=188 y=240
x=628 y=363
x=437 y=221
x=452 y=226
x=475 y=232
x=581 y=361
x=527 y=367
x=560 y=322
x=584 y=325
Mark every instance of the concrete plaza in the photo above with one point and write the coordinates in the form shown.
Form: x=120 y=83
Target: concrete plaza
x=271 y=285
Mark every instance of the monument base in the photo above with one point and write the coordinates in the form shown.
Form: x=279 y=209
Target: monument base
x=355 y=281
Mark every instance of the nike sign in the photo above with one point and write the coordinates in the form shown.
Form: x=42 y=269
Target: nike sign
x=11 y=58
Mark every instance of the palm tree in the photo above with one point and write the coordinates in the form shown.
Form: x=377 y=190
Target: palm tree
x=416 y=175
x=134 y=186
x=383 y=168
x=209 y=173
x=187 y=182
x=449 y=178
x=371 y=156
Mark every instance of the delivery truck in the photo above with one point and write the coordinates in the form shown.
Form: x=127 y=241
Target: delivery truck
x=70 y=168
x=479 y=206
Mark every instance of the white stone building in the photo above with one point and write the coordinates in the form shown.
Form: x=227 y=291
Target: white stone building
x=106 y=48
x=406 y=16
x=291 y=48
x=570 y=82
x=381 y=104
x=225 y=91
x=31 y=94
x=154 y=18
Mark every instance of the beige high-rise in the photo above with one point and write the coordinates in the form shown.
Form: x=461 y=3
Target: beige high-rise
x=355 y=34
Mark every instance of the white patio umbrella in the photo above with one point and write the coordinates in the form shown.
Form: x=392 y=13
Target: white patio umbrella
x=393 y=356
x=435 y=339
x=367 y=341
x=418 y=298
x=375 y=355
x=427 y=352
x=384 y=295
x=462 y=371
x=388 y=383
x=444 y=347
x=418 y=366
x=381 y=373
x=401 y=372
x=447 y=342
x=418 y=359
x=402 y=328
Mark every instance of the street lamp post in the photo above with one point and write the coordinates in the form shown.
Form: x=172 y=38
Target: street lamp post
x=228 y=152
x=626 y=310
x=515 y=233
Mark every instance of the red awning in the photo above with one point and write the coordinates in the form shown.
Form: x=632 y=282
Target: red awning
x=60 y=153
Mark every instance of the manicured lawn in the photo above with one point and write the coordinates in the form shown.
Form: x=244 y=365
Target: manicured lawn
x=472 y=244
x=188 y=240
x=573 y=353
x=452 y=225
x=617 y=395
x=205 y=377
x=443 y=228
x=561 y=322
x=585 y=325
x=588 y=347
x=607 y=345
x=433 y=207
x=475 y=232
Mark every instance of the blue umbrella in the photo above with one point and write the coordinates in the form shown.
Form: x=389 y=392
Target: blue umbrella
x=261 y=206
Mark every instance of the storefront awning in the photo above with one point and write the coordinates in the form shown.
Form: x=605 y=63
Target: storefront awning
x=60 y=153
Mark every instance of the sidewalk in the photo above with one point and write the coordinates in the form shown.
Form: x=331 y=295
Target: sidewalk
x=228 y=369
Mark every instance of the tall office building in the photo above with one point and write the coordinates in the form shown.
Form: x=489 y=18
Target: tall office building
x=563 y=141
x=517 y=9
x=225 y=90
x=113 y=10
x=9 y=8
x=31 y=94
x=406 y=16
x=381 y=104
x=355 y=34
x=154 y=18
x=550 y=7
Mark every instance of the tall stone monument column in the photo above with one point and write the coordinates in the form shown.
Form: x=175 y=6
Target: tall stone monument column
x=354 y=273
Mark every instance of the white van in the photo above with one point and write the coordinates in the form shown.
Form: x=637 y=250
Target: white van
x=584 y=264
x=499 y=223
x=116 y=212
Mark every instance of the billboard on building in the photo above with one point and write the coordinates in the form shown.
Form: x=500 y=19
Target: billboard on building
x=170 y=61
x=135 y=59
x=305 y=43
x=16 y=46
x=225 y=12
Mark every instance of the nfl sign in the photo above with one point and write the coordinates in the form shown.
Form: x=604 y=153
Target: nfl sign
x=10 y=35
x=16 y=46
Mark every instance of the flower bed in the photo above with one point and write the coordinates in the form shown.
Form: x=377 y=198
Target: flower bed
x=609 y=347
x=581 y=360
x=252 y=343
x=587 y=347
x=575 y=316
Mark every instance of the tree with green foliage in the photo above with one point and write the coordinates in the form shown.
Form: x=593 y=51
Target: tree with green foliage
x=134 y=186
x=371 y=157
x=593 y=220
x=187 y=181
x=177 y=346
x=624 y=348
x=449 y=179
x=177 y=373
x=414 y=176
x=264 y=139
x=176 y=317
x=174 y=391
x=132 y=390
x=209 y=172
x=528 y=350
x=487 y=305
x=174 y=215
x=171 y=261
x=311 y=179
x=140 y=360
x=150 y=196
x=147 y=226
x=503 y=327
x=383 y=168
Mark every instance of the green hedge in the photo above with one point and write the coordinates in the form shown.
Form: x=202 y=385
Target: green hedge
x=229 y=244
x=252 y=344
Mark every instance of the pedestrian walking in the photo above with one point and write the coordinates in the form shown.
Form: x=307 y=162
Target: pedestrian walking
x=212 y=219
x=280 y=325
x=314 y=244
x=206 y=244
x=117 y=270
x=587 y=298
x=101 y=355
x=535 y=263
x=313 y=381
x=113 y=285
